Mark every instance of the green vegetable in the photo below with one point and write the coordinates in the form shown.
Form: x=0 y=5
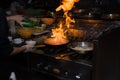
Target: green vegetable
x=28 y=24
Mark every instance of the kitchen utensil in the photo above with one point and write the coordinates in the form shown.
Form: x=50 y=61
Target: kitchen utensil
x=31 y=43
x=38 y=46
x=81 y=47
x=54 y=41
x=25 y=32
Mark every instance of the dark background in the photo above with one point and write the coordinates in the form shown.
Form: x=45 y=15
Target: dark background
x=55 y=3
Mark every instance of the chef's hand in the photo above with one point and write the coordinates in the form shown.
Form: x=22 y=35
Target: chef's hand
x=29 y=48
x=17 y=18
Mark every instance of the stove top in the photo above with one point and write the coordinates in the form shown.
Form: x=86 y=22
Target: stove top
x=62 y=62
x=94 y=29
x=63 y=52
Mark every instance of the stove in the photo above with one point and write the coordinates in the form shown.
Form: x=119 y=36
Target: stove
x=65 y=64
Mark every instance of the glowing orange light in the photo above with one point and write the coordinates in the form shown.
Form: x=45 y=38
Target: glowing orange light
x=66 y=5
x=59 y=34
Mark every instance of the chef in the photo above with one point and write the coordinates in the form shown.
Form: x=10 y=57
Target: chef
x=6 y=49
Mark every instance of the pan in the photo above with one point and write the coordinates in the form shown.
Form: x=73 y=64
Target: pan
x=81 y=47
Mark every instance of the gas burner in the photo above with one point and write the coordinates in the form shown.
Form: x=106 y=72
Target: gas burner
x=73 y=56
x=55 y=49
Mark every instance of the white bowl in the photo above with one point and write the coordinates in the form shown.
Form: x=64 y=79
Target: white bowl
x=18 y=41
x=31 y=42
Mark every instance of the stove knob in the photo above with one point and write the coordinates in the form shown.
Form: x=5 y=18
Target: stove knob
x=78 y=76
x=47 y=67
x=39 y=65
x=66 y=74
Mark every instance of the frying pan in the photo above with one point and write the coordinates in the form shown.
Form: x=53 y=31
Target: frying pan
x=53 y=42
x=81 y=47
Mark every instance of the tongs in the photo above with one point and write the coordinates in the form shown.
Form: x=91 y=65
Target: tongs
x=39 y=46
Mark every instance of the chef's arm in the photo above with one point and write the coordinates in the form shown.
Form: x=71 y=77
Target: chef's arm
x=24 y=48
x=17 y=18
x=17 y=50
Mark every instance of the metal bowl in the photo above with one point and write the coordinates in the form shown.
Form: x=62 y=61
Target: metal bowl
x=48 y=21
x=25 y=32
x=81 y=47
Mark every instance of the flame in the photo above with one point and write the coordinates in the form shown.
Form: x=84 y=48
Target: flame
x=66 y=5
x=60 y=32
x=68 y=20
